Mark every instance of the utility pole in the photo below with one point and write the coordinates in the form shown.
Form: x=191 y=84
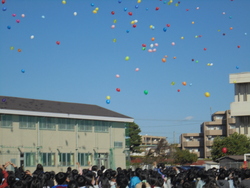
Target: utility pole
x=174 y=137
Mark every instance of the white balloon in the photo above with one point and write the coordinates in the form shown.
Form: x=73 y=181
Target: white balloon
x=32 y=36
x=75 y=13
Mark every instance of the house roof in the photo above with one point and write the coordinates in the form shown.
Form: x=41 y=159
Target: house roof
x=47 y=106
x=234 y=157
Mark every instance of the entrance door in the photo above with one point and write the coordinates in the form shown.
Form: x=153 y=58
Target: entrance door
x=102 y=160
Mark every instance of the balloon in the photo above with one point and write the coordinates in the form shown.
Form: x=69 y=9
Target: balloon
x=196 y=61
x=136 y=6
x=152 y=38
x=190 y=84
x=118 y=89
x=245 y=33
x=4 y=8
x=231 y=28
x=112 y=12
x=173 y=43
x=156 y=44
x=23 y=15
x=117 y=76
x=32 y=37
x=174 y=57
x=3 y=1
x=197 y=8
x=154 y=50
x=19 y=50
x=119 y=1
x=130 y=13
x=125 y=9
x=192 y=59
x=163 y=60
x=94 y=11
x=151 y=45
x=23 y=71
x=112 y=26
x=238 y=46
x=14 y=15
x=108 y=97
x=114 y=40
x=135 y=21
x=150 y=50
x=43 y=16
x=92 y=4
x=115 y=21
x=207 y=94
x=182 y=37
x=224 y=34
x=127 y=58
x=138 y=1
x=230 y=17
x=184 y=83
x=224 y=150
x=187 y=9
x=145 y=92
x=204 y=49
x=196 y=36
x=137 y=69
x=17 y=21
x=144 y=45
x=223 y=13
x=132 y=22
x=157 y=8
x=172 y=83
x=75 y=13
x=11 y=48
x=237 y=67
x=164 y=29
x=143 y=48
x=134 y=26
x=96 y=8
x=192 y=22
x=178 y=90
x=127 y=31
x=107 y=101
x=64 y=2
x=8 y=27
x=57 y=42
x=168 y=25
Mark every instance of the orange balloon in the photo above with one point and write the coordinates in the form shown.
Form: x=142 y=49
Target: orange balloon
x=174 y=57
x=163 y=60
x=184 y=83
x=152 y=38
x=19 y=50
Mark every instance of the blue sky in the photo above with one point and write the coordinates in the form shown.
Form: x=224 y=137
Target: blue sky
x=84 y=66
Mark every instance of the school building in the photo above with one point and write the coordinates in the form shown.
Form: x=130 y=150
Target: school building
x=59 y=134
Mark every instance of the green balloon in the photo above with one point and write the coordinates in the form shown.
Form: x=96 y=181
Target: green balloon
x=145 y=92
x=143 y=48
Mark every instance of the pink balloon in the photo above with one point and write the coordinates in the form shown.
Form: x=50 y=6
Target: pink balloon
x=14 y=15
x=154 y=50
x=137 y=69
x=156 y=44
x=117 y=76
x=112 y=26
x=150 y=50
x=17 y=21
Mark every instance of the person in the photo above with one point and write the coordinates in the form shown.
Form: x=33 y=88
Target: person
x=61 y=180
x=4 y=175
x=143 y=176
x=221 y=182
x=245 y=183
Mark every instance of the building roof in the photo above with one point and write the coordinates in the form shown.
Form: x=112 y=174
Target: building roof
x=234 y=157
x=35 y=105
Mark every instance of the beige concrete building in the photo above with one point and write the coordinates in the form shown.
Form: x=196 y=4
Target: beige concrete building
x=151 y=141
x=240 y=108
x=222 y=124
x=59 y=134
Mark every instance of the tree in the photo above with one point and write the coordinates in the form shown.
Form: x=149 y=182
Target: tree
x=236 y=144
x=184 y=157
x=133 y=140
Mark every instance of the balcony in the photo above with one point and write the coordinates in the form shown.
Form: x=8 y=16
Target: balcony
x=240 y=108
x=192 y=144
x=209 y=143
x=231 y=120
x=214 y=132
x=231 y=131
x=208 y=153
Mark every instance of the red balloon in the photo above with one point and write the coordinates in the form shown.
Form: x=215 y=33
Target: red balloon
x=157 y=8
x=118 y=89
x=112 y=12
x=134 y=26
x=144 y=45
x=192 y=59
x=238 y=46
x=204 y=49
x=187 y=9
x=130 y=13
x=57 y=42
x=3 y=1
x=224 y=150
x=168 y=25
x=178 y=90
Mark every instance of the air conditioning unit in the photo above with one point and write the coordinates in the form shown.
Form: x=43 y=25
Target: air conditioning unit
x=209 y=136
x=191 y=137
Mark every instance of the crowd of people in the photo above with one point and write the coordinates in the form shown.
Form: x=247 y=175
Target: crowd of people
x=160 y=176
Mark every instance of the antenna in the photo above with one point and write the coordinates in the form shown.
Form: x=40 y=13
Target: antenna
x=174 y=137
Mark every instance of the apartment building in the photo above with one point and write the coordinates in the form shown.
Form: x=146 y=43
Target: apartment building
x=222 y=125
x=59 y=134
x=240 y=108
x=151 y=141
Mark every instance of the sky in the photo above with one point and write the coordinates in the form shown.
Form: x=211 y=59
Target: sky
x=83 y=51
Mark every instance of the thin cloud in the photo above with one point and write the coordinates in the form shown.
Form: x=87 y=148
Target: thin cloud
x=189 y=118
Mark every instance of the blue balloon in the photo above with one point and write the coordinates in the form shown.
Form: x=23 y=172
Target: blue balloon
x=23 y=71
x=4 y=8
x=8 y=27
x=237 y=67
x=136 y=6
x=146 y=8
x=92 y=4
x=107 y=101
x=125 y=9
x=119 y=1
x=127 y=31
x=164 y=29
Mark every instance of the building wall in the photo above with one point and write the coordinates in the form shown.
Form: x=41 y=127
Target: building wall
x=17 y=143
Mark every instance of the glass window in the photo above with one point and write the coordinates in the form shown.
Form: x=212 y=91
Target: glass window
x=27 y=122
x=47 y=123
x=48 y=159
x=66 y=159
x=102 y=126
x=118 y=144
x=66 y=124
x=85 y=125
x=83 y=158
x=6 y=121
x=30 y=159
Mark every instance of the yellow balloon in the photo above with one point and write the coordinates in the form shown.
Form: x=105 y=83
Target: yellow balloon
x=94 y=11
x=182 y=37
x=12 y=48
x=132 y=22
x=108 y=97
x=96 y=8
x=127 y=58
x=207 y=94
x=64 y=2
x=115 y=21
x=138 y=1
x=114 y=40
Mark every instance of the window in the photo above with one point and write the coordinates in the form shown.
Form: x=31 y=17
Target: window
x=47 y=123
x=48 y=159
x=83 y=158
x=118 y=144
x=27 y=122
x=66 y=159
x=30 y=159
x=85 y=125
x=218 y=117
x=102 y=126
x=66 y=124
x=6 y=121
